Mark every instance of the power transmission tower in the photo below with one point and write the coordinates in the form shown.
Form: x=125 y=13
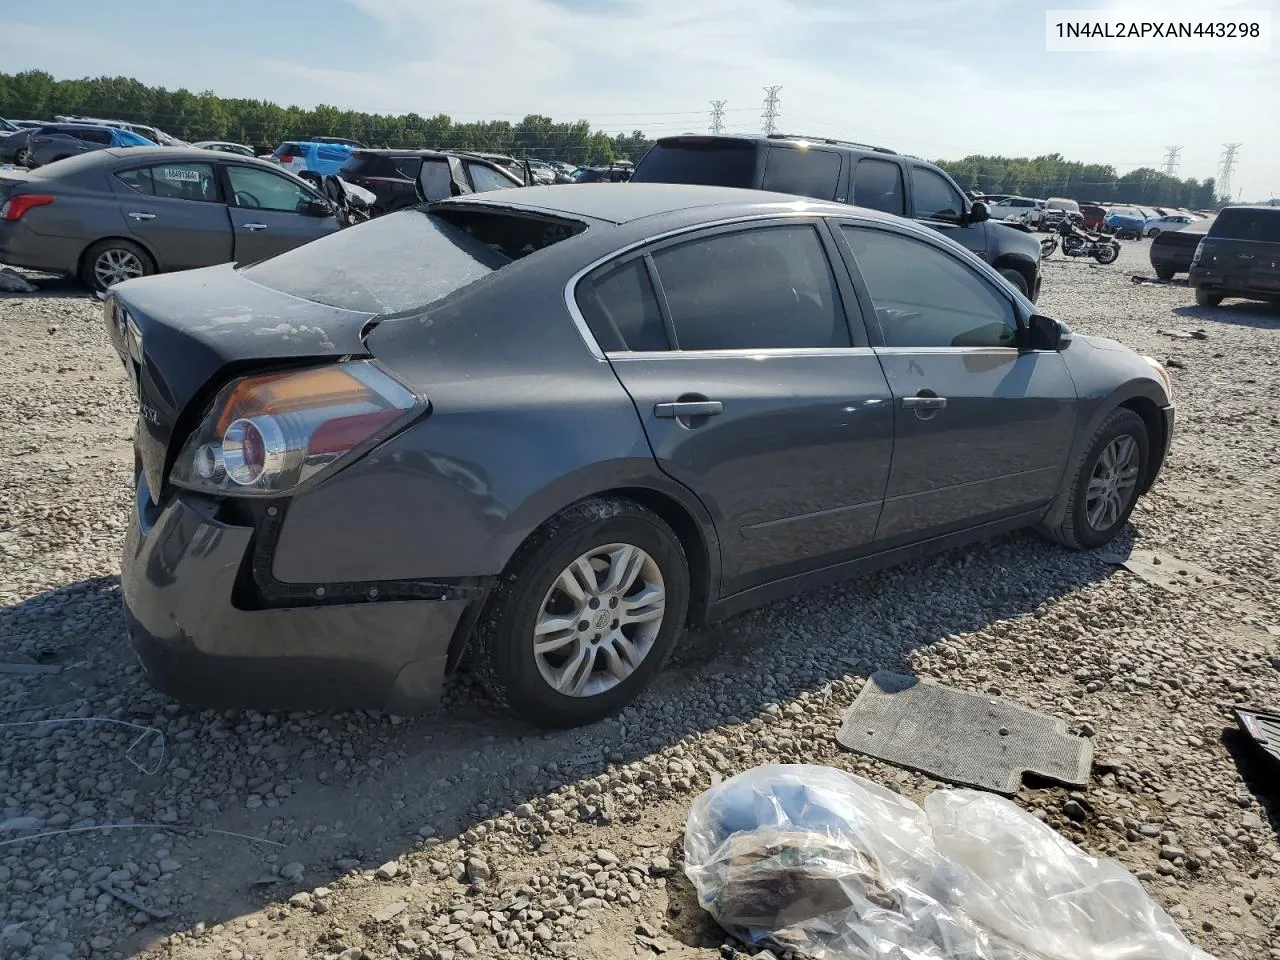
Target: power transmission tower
x=770 y=115
x=717 y=116
x=1171 y=160
x=1226 y=167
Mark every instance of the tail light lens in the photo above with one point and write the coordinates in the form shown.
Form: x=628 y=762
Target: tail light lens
x=266 y=435
x=1195 y=257
x=15 y=207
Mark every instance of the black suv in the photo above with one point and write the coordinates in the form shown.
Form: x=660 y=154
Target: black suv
x=1238 y=257
x=392 y=175
x=866 y=176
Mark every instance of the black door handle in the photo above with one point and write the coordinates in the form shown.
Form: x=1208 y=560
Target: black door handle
x=688 y=408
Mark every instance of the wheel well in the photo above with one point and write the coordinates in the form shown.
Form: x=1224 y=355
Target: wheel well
x=1150 y=415
x=81 y=261
x=1024 y=269
x=677 y=518
x=691 y=539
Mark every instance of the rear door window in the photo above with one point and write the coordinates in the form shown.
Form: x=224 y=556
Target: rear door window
x=92 y=136
x=711 y=161
x=806 y=173
x=877 y=185
x=760 y=288
x=173 y=181
x=1242 y=223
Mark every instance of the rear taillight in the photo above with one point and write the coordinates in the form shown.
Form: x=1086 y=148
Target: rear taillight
x=266 y=435
x=15 y=207
x=1195 y=257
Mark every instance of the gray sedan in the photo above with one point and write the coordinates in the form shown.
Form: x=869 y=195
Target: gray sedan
x=550 y=427
x=116 y=214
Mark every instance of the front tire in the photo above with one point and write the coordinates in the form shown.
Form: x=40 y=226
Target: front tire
x=113 y=261
x=1165 y=273
x=1106 y=485
x=586 y=614
x=21 y=157
x=1206 y=299
x=1018 y=280
x=1107 y=254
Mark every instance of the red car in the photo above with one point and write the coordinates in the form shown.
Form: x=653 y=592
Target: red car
x=1093 y=216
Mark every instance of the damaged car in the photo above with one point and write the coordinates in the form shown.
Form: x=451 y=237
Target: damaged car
x=548 y=429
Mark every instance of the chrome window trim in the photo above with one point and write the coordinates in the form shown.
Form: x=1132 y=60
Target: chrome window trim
x=742 y=354
x=992 y=349
x=570 y=288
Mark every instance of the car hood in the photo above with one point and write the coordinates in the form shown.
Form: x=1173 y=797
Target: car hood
x=198 y=329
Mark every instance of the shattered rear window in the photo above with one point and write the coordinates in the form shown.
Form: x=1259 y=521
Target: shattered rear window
x=407 y=260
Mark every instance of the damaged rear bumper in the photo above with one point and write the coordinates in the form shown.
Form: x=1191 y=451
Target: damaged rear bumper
x=199 y=645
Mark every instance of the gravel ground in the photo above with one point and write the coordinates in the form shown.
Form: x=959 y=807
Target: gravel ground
x=464 y=834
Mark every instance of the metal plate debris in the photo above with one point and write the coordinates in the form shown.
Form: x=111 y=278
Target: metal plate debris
x=961 y=737
x=1263 y=729
x=1166 y=572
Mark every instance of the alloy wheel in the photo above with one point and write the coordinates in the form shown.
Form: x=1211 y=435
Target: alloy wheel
x=1113 y=483
x=113 y=266
x=599 y=620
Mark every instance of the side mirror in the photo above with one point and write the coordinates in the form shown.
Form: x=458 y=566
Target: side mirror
x=316 y=207
x=1045 y=333
x=978 y=212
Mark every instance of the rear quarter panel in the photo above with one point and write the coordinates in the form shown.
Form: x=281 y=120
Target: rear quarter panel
x=524 y=421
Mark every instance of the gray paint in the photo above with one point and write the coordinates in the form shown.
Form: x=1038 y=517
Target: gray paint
x=813 y=471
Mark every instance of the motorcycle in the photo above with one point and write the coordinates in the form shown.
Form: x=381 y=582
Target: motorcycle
x=1078 y=243
x=353 y=204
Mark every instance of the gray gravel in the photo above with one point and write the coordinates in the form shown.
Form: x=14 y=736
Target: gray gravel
x=463 y=834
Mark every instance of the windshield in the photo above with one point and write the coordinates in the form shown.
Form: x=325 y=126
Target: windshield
x=407 y=260
x=717 y=162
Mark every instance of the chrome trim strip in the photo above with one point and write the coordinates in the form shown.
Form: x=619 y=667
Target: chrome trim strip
x=571 y=303
x=746 y=354
x=998 y=351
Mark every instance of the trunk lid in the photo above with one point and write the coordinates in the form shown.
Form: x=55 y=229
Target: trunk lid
x=198 y=329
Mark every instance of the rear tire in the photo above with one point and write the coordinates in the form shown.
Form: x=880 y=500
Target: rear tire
x=1165 y=273
x=1088 y=523
x=113 y=261
x=1107 y=254
x=1153 y=232
x=1017 y=279
x=1206 y=299
x=618 y=660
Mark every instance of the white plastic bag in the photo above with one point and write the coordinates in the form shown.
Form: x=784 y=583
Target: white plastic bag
x=836 y=867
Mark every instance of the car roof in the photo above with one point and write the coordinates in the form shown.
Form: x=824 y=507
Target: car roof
x=624 y=202
x=777 y=138
x=175 y=154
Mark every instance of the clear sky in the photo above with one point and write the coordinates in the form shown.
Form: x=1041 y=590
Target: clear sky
x=935 y=78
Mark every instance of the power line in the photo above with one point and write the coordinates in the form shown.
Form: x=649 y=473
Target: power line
x=717 y=116
x=770 y=115
x=1227 y=166
x=1171 y=161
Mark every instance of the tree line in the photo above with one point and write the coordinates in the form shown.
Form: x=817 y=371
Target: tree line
x=189 y=116
x=1053 y=176
x=35 y=94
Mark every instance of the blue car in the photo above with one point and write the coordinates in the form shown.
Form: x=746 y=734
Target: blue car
x=1125 y=221
x=318 y=158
